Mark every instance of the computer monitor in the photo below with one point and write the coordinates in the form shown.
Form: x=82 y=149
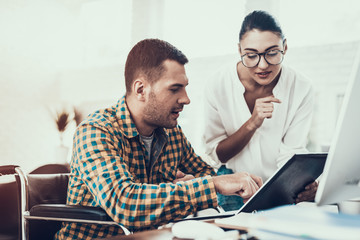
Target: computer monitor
x=341 y=177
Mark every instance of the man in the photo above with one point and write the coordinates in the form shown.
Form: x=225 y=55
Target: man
x=133 y=160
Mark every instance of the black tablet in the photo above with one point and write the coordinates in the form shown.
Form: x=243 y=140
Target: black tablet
x=282 y=187
x=287 y=182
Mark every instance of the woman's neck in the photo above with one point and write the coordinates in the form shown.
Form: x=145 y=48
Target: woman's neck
x=251 y=86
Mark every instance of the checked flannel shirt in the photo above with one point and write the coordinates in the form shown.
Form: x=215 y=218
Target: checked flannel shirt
x=108 y=169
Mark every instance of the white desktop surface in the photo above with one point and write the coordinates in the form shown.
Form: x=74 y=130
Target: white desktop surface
x=302 y=221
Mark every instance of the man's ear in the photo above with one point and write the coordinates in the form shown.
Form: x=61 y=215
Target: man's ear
x=139 y=88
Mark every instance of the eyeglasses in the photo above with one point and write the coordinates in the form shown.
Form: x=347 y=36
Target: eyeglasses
x=272 y=57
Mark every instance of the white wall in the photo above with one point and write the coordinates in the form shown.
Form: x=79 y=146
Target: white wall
x=55 y=54
x=61 y=53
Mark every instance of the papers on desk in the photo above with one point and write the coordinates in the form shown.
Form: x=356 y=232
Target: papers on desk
x=296 y=222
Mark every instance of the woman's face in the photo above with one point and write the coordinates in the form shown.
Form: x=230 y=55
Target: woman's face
x=256 y=41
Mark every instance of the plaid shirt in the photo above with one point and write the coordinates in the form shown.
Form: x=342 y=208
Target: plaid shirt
x=108 y=169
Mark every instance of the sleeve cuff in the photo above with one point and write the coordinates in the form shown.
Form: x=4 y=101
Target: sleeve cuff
x=201 y=193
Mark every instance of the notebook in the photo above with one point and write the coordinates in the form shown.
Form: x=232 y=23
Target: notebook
x=283 y=186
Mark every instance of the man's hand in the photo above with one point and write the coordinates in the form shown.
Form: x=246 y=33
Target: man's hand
x=308 y=194
x=241 y=184
x=263 y=108
x=180 y=176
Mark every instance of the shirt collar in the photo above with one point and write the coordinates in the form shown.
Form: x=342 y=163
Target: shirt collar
x=127 y=125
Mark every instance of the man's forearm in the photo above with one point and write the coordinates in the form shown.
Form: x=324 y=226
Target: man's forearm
x=146 y=206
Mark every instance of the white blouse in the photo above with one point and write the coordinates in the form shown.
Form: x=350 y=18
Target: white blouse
x=277 y=139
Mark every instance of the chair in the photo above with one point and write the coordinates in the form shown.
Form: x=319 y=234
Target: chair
x=51 y=168
x=9 y=204
x=43 y=206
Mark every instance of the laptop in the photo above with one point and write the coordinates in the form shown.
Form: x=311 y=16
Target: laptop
x=282 y=187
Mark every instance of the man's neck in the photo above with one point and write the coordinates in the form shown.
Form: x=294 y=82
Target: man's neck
x=136 y=109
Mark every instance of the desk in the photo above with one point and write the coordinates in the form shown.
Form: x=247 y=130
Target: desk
x=158 y=234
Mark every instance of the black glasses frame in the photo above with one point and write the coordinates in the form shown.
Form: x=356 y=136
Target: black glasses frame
x=263 y=54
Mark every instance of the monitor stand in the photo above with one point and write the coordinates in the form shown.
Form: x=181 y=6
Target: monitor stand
x=351 y=206
x=327 y=207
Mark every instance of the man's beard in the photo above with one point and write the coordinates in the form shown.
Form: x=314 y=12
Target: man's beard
x=157 y=115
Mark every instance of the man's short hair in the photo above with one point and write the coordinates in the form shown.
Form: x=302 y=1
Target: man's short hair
x=146 y=58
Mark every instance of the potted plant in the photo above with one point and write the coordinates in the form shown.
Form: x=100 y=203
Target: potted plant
x=62 y=121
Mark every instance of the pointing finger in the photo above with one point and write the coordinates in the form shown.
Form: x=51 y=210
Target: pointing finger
x=271 y=99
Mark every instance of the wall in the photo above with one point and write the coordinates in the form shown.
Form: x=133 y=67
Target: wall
x=58 y=54
x=55 y=54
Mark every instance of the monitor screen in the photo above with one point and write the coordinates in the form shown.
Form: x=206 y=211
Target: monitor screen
x=341 y=177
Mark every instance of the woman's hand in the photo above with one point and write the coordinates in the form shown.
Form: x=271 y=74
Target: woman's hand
x=263 y=108
x=309 y=193
x=236 y=142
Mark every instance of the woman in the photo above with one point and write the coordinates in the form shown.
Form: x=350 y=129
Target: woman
x=258 y=112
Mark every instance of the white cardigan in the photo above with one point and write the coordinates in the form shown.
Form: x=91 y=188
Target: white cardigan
x=277 y=139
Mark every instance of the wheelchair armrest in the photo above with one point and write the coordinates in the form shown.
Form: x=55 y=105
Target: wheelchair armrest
x=7 y=169
x=69 y=211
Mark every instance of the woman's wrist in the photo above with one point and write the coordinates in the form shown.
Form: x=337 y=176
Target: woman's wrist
x=251 y=126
